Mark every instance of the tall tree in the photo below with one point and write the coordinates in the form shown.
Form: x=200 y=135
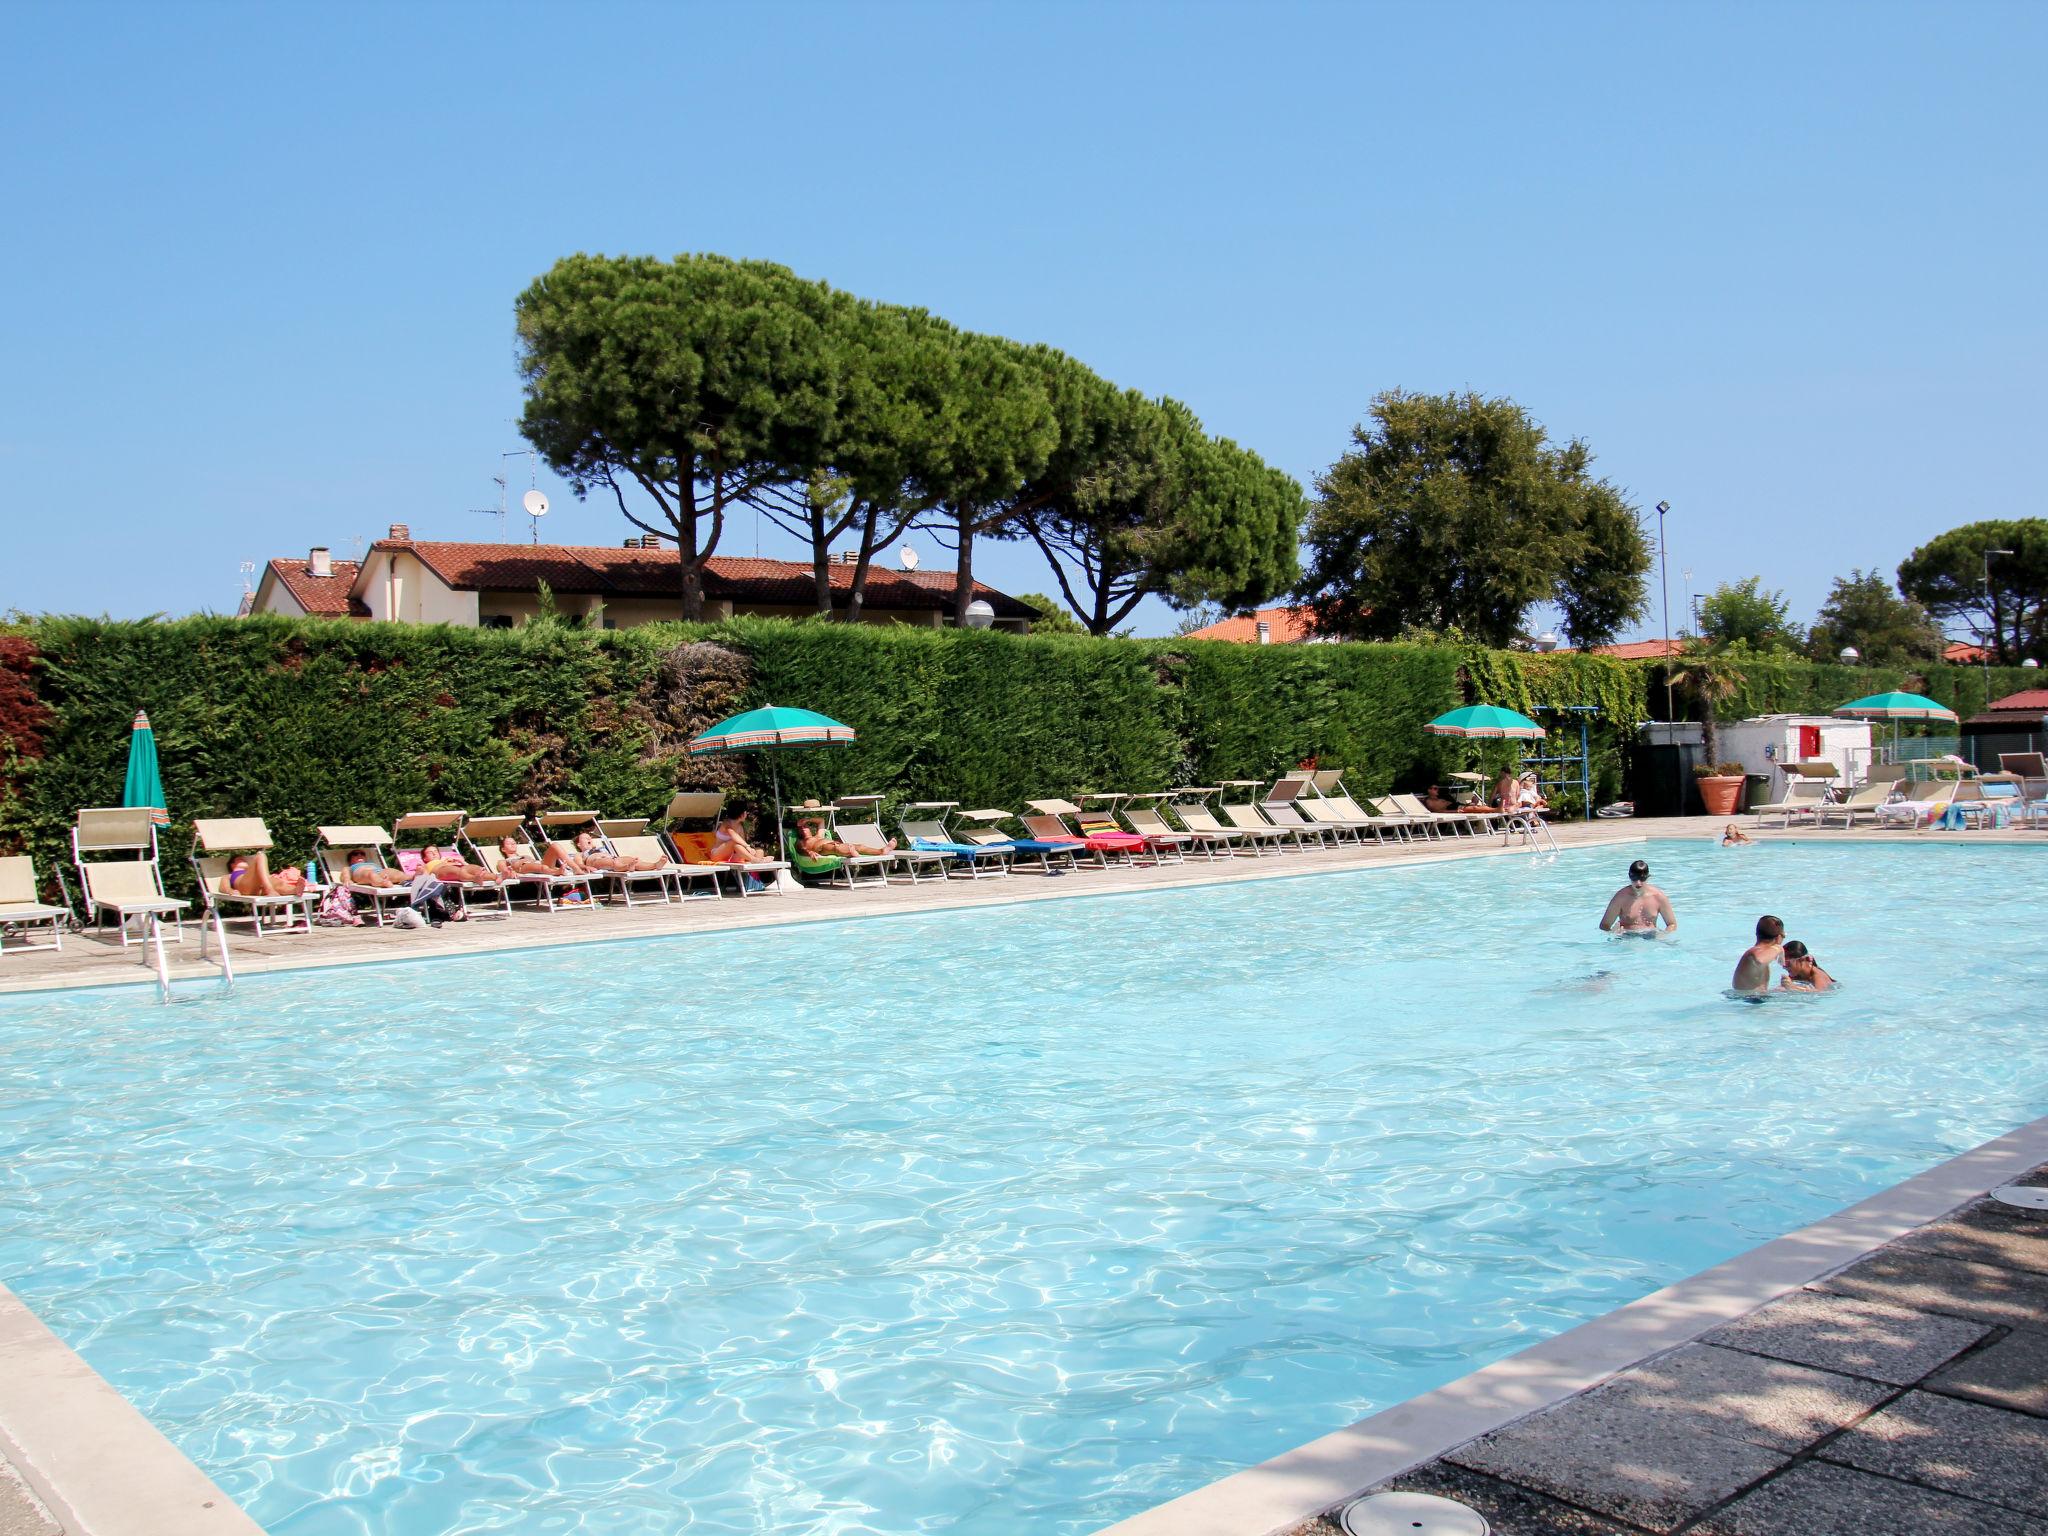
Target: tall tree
x=2008 y=612
x=702 y=381
x=1457 y=512
x=1743 y=613
x=1165 y=511
x=1886 y=630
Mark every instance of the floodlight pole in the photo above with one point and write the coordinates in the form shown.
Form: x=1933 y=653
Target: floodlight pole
x=1992 y=613
x=1670 y=711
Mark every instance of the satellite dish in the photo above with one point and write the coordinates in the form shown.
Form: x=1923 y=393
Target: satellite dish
x=908 y=556
x=535 y=503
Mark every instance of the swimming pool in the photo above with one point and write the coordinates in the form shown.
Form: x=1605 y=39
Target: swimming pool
x=1004 y=1221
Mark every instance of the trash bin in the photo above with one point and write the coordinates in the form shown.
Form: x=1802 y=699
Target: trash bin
x=1757 y=791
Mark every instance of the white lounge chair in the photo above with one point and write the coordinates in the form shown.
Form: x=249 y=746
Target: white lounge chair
x=1190 y=807
x=1865 y=800
x=559 y=829
x=22 y=910
x=1056 y=856
x=130 y=887
x=444 y=829
x=691 y=846
x=1802 y=798
x=967 y=858
x=866 y=828
x=332 y=845
x=562 y=892
x=215 y=842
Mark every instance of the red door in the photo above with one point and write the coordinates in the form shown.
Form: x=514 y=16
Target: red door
x=1809 y=742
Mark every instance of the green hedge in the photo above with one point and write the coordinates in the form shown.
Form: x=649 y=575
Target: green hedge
x=308 y=721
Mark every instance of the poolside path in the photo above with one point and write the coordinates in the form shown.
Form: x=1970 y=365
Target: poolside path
x=1906 y=1395
x=90 y=960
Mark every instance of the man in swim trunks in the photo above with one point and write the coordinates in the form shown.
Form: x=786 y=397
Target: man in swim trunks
x=1638 y=906
x=1802 y=971
x=1753 y=970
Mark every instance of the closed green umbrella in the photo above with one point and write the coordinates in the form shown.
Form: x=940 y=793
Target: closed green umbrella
x=1485 y=721
x=770 y=730
x=145 y=786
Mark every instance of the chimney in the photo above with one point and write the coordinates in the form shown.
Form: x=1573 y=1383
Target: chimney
x=650 y=541
x=400 y=534
x=633 y=542
x=1265 y=633
x=318 y=562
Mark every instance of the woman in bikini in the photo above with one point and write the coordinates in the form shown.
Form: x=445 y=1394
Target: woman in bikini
x=595 y=858
x=446 y=867
x=363 y=871
x=513 y=862
x=249 y=874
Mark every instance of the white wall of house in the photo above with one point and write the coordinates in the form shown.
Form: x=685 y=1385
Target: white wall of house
x=396 y=585
x=273 y=596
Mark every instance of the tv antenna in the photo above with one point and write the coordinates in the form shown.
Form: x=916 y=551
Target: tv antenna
x=248 y=569
x=499 y=511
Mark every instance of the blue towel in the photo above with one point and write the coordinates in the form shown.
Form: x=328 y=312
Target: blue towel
x=959 y=850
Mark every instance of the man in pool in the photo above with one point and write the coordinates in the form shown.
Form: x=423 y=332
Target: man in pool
x=1638 y=906
x=1753 y=970
x=1802 y=971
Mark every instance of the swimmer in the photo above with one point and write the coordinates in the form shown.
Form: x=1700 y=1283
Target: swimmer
x=1638 y=906
x=1753 y=970
x=1803 y=972
x=1735 y=837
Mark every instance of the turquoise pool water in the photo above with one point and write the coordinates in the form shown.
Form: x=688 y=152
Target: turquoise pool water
x=1003 y=1221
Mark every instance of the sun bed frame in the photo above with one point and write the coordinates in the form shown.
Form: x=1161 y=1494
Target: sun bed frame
x=559 y=829
x=1049 y=824
x=553 y=893
x=1145 y=815
x=215 y=841
x=331 y=846
x=132 y=887
x=914 y=863
x=691 y=847
x=1045 y=850
x=496 y=899
x=965 y=858
x=21 y=907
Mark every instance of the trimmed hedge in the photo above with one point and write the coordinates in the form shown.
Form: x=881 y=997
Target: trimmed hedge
x=309 y=721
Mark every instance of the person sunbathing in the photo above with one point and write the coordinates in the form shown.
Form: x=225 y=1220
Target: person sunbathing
x=443 y=865
x=595 y=858
x=249 y=874
x=810 y=836
x=729 y=843
x=513 y=860
x=363 y=870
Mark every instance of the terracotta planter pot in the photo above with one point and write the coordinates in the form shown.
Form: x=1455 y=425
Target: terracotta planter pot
x=1722 y=796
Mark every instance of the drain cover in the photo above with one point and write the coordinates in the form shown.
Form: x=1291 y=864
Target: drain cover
x=1412 y=1514
x=2028 y=1197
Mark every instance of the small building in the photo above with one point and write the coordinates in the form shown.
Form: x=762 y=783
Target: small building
x=1266 y=626
x=1764 y=744
x=497 y=586
x=2016 y=723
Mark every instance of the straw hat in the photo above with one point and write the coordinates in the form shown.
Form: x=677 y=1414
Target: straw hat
x=810 y=805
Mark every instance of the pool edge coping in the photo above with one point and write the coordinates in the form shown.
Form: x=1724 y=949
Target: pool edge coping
x=90 y=1455
x=1288 y=1490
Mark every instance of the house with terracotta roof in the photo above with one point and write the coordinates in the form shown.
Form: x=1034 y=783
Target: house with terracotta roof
x=1266 y=626
x=497 y=586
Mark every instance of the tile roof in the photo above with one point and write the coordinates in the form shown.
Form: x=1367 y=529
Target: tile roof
x=1638 y=650
x=1963 y=651
x=324 y=597
x=2031 y=700
x=606 y=571
x=1287 y=626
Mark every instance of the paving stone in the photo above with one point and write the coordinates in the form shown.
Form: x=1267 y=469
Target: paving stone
x=1862 y=1338
x=2012 y=1373
x=1652 y=1470
x=1931 y=1283
x=1510 y=1510
x=1986 y=1233
x=1985 y=1453
x=21 y=1512
x=1742 y=1396
x=1816 y=1499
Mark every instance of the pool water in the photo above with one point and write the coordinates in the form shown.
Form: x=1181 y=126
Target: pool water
x=1014 y=1220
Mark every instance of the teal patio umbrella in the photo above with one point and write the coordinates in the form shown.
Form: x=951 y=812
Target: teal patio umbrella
x=1485 y=721
x=145 y=786
x=771 y=730
x=1895 y=707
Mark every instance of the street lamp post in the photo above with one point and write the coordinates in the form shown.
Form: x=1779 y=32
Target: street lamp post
x=1670 y=720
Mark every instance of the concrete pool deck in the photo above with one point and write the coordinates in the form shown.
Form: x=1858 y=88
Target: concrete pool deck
x=1775 y=1368
x=90 y=960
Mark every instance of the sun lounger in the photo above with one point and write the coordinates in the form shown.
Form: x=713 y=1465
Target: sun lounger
x=131 y=886
x=628 y=837
x=1802 y=798
x=555 y=892
x=21 y=909
x=1142 y=814
x=1470 y=823
x=1052 y=821
x=1281 y=807
x=214 y=844
x=865 y=829
x=331 y=851
x=1922 y=804
x=1190 y=807
x=924 y=827
x=1098 y=818
x=1404 y=822
x=1064 y=849
x=559 y=829
x=443 y=830
x=694 y=846
x=1865 y=800
x=1244 y=816
x=2031 y=770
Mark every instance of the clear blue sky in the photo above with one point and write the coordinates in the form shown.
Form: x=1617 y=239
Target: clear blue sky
x=1780 y=265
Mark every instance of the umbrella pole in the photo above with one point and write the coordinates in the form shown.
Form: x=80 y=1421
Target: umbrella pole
x=775 y=777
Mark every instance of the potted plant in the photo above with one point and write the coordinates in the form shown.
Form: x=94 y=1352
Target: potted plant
x=1721 y=786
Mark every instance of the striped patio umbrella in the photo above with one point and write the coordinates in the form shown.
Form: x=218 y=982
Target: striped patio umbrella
x=1485 y=721
x=145 y=786
x=771 y=730
x=1895 y=706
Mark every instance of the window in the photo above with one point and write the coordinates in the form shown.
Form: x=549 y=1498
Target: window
x=496 y=621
